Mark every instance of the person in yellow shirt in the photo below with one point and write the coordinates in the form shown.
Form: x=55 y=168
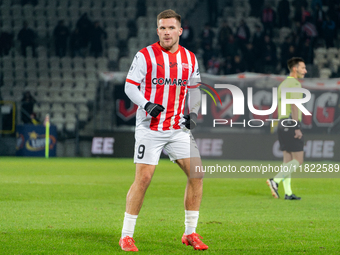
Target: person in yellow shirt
x=290 y=138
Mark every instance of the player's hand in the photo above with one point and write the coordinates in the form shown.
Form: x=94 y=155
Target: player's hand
x=298 y=134
x=190 y=120
x=153 y=109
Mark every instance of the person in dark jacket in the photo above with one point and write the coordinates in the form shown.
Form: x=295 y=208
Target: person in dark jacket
x=268 y=19
x=96 y=40
x=242 y=35
x=223 y=37
x=75 y=43
x=187 y=37
x=61 y=34
x=328 y=29
x=258 y=38
x=269 y=58
x=27 y=104
x=85 y=26
x=27 y=38
x=6 y=43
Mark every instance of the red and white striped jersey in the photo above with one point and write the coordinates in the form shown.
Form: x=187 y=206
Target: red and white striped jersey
x=164 y=78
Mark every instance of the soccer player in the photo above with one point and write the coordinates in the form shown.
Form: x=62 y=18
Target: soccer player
x=290 y=138
x=165 y=72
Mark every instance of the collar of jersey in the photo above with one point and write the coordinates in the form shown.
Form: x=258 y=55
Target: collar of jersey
x=166 y=51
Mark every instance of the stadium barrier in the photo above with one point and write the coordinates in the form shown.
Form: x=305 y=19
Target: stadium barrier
x=31 y=140
x=225 y=146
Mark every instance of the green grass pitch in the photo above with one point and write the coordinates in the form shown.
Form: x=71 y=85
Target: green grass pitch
x=76 y=206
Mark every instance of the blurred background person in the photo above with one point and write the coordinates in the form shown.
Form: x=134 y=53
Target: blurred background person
x=27 y=104
x=27 y=38
x=242 y=35
x=328 y=31
x=96 y=40
x=269 y=58
x=6 y=42
x=85 y=26
x=268 y=19
x=61 y=34
x=223 y=37
x=187 y=37
x=75 y=43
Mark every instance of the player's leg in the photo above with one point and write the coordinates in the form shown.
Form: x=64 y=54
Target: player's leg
x=273 y=183
x=283 y=137
x=194 y=187
x=292 y=158
x=192 y=201
x=294 y=163
x=287 y=158
x=182 y=149
x=134 y=202
x=135 y=196
x=148 y=147
x=298 y=155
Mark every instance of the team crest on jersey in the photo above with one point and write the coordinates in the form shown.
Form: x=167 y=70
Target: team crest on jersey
x=185 y=66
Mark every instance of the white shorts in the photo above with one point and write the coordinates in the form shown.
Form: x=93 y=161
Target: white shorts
x=177 y=143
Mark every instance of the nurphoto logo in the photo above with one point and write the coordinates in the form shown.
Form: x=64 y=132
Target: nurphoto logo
x=238 y=104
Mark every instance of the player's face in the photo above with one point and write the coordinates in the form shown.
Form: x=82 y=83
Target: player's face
x=301 y=70
x=168 y=31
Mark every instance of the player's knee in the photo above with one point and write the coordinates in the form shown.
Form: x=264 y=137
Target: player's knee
x=298 y=162
x=145 y=180
x=196 y=180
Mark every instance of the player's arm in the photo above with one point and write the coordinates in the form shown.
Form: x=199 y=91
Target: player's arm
x=194 y=97
x=132 y=91
x=134 y=78
x=295 y=116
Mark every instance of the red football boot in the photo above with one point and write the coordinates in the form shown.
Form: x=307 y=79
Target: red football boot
x=127 y=244
x=194 y=240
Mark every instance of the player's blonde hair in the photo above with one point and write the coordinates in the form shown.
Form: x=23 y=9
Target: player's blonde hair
x=168 y=14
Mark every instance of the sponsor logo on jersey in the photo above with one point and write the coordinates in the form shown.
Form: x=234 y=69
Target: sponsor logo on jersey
x=169 y=81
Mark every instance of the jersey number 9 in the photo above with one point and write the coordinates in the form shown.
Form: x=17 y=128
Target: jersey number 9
x=141 y=150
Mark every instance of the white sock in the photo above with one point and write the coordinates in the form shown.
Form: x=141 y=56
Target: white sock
x=129 y=225
x=191 y=219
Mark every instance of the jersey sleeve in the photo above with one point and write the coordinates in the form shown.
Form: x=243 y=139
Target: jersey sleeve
x=137 y=70
x=194 y=103
x=195 y=76
x=134 y=78
x=194 y=94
